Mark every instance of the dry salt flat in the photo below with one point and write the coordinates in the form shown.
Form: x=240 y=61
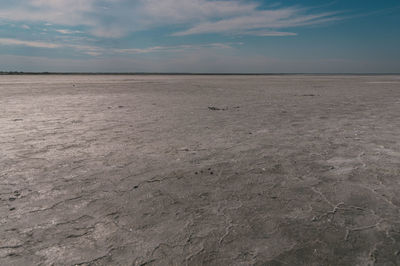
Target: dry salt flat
x=199 y=170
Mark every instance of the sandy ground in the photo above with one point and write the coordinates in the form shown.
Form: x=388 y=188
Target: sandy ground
x=138 y=170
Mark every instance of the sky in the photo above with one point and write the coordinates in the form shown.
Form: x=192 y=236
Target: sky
x=200 y=36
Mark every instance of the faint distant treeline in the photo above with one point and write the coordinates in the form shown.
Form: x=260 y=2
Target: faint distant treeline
x=10 y=73
x=129 y=73
x=38 y=73
x=23 y=73
x=186 y=73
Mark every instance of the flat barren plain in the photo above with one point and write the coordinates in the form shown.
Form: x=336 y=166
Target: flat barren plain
x=199 y=170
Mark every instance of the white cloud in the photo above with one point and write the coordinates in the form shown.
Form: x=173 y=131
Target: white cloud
x=177 y=48
x=233 y=17
x=10 y=42
x=65 y=31
x=118 y=18
x=276 y=19
x=65 y=12
x=91 y=50
x=269 y=33
x=183 y=11
x=96 y=50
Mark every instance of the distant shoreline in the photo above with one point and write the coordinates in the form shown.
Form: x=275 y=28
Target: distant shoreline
x=194 y=74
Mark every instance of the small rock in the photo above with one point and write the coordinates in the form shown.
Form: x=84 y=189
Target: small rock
x=213 y=108
x=12 y=209
x=12 y=199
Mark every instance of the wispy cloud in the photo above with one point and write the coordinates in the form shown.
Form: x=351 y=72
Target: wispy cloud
x=87 y=49
x=6 y=41
x=266 y=20
x=118 y=18
x=96 y=50
x=65 y=31
x=177 y=48
x=268 y=33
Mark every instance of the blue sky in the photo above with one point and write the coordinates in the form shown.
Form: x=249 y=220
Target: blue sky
x=357 y=36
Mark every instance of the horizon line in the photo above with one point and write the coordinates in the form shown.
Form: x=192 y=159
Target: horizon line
x=191 y=73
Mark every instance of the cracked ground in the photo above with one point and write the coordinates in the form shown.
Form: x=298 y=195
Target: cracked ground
x=199 y=170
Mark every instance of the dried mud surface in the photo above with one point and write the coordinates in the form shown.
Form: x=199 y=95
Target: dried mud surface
x=199 y=170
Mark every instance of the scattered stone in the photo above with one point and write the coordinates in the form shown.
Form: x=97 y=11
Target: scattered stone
x=18 y=120
x=12 y=209
x=121 y=106
x=196 y=173
x=211 y=173
x=12 y=199
x=213 y=108
x=135 y=187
